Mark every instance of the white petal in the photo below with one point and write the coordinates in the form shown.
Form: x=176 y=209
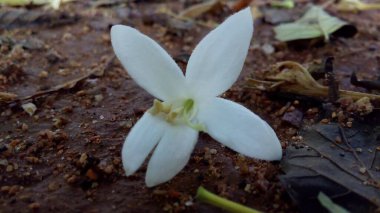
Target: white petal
x=216 y=62
x=171 y=155
x=238 y=128
x=147 y=63
x=141 y=140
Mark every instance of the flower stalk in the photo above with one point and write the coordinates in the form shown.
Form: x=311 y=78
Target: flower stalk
x=205 y=196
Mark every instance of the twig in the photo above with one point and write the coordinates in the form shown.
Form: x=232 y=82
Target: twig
x=67 y=85
x=369 y=85
x=333 y=86
x=332 y=141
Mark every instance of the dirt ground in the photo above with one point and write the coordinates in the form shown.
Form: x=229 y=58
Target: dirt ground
x=66 y=157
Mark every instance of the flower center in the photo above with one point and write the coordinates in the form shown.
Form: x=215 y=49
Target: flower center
x=173 y=113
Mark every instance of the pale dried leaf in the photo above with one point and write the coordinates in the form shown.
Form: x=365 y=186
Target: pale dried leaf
x=198 y=9
x=29 y=108
x=6 y=96
x=313 y=24
x=292 y=77
x=356 y=5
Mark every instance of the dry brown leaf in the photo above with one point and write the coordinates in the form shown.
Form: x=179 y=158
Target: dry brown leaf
x=292 y=77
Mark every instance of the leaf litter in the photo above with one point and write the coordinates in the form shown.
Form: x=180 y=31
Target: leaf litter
x=316 y=22
x=292 y=77
x=356 y=5
x=347 y=172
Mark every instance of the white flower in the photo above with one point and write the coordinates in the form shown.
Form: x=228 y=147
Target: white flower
x=190 y=103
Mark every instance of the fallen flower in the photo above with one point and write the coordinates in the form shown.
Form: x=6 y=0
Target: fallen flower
x=189 y=103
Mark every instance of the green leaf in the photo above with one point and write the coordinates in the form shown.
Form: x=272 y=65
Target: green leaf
x=329 y=204
x=313 y=24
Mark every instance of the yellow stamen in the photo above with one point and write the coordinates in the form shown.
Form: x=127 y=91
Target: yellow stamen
x=186 y=112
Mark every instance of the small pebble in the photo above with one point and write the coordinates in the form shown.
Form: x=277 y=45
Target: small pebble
x=108 y=169
x=98 y=98
x=43 y=74
x=3 y=162
x=32 y=159
x=213 y=151
x=325 y=121
x=24 y=127
x=29 y=108
x=53 y=186
x=247 y=188
x=126 y=124
x=34 y=205
x=9 y=168
x=362 y=170
x=71 y=179
x=189 y=203
x=83 y=159
x=91 y=174
x=268 y=49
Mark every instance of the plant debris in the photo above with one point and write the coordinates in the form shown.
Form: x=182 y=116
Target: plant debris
x=370 y=85
x=29 y=108
x=356 y=5
x=198 y=9
x=329 y=204
x=6 y=96
x=288 y=4
x=292 y=77
x=313 y=24
x=99 y=71
x=320 y=162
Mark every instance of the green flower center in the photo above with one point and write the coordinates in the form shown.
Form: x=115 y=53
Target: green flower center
x=185 y=112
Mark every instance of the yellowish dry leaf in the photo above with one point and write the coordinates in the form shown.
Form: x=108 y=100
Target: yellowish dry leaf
x=6 y=96
x=315 y=23
x=198 y=9
x=356 y=5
